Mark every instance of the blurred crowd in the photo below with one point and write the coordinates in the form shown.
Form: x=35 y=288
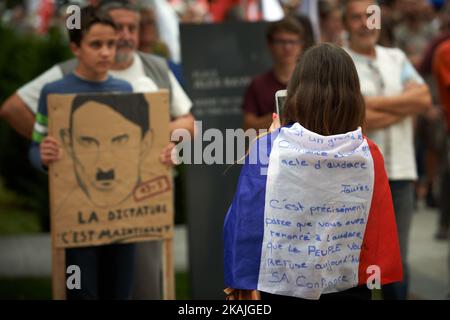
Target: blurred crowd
x=411 y=25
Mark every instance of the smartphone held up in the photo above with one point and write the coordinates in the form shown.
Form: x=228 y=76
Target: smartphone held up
x=280 y=99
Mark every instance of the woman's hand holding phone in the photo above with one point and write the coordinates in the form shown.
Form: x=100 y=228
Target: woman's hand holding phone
x=275 y=122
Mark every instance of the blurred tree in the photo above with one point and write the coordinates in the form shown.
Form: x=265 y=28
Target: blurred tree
x=12 y=3
x=23 y=57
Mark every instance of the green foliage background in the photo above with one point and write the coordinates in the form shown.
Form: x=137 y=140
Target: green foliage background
x=22 y=58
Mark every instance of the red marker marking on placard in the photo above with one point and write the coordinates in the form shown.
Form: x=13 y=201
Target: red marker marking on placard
x=151 y=188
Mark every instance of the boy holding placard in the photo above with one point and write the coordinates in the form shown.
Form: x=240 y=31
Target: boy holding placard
x=106 y=271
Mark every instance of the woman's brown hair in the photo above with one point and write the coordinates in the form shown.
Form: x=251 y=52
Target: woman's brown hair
x=323 y=94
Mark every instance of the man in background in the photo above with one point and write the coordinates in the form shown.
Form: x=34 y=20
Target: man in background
x=285 y=41
x=441 y=71
x=394 y=93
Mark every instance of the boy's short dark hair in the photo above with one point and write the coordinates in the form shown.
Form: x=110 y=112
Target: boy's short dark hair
x=284 y=25
x=89 y=16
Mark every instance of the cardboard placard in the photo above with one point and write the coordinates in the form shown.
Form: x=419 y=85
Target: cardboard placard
x=109 y=186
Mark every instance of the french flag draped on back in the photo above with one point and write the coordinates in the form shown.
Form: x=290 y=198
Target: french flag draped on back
x=311 y=213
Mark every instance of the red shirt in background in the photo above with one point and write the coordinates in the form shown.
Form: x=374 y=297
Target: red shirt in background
x=259 y=97
x=426 y=66
x=251 y=9
x=220 y=8
x=441 y=70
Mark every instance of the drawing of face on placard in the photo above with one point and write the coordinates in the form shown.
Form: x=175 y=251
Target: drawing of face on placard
x=107 y=159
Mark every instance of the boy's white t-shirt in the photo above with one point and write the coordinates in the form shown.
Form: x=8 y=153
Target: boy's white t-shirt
x=181 y=104
x=31 y=91
x=396 y=142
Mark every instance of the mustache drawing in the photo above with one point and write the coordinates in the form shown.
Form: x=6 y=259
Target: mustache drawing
x=124 y=44
x=104 y=175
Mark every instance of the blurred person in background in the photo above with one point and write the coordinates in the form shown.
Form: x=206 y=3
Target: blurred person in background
x=310 y=8
x=425 y=69
x=425 y=65
x=394 y=92
x=390 y=17
x=305 y=9
x=285 y=40
x=413 y=35
x=441 y=71
x=194 y=11
x=331 y=29
x=415 y=30
x=245 y=10
x=16 y=18
x=291 y=8
x=308 y=36
x=149 y=41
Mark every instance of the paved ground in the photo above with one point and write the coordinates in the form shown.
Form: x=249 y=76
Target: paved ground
x=30 y=256
x=428 y=258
